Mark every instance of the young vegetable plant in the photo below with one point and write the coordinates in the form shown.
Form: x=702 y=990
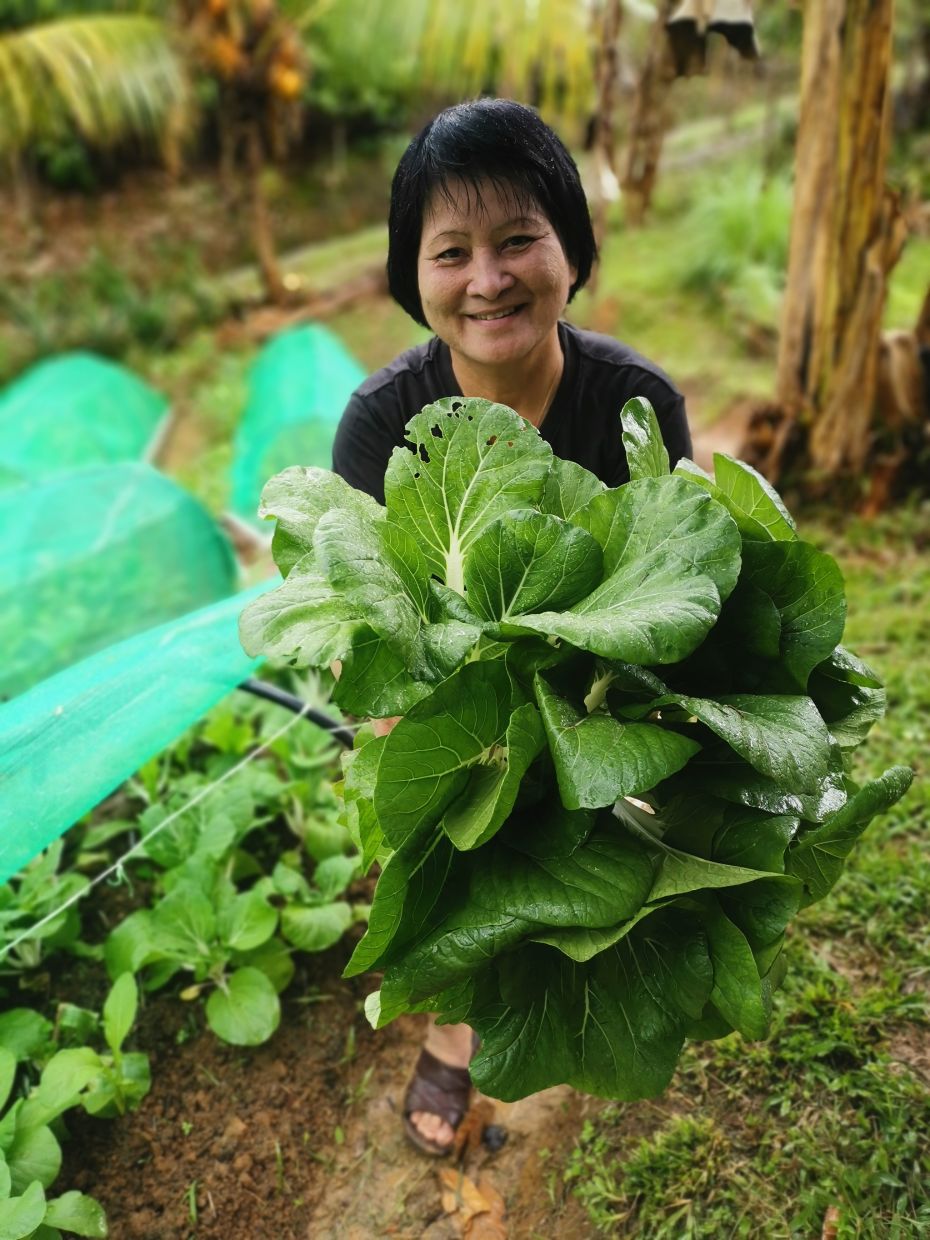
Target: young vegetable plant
x=227 y=940
x=622 y=765
x=30 y=1156
x=216 y=915
x=27 y=900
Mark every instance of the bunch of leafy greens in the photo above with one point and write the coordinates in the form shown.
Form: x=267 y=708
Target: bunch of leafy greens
x=622 y=764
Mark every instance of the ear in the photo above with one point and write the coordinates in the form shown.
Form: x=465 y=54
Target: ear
x=573 y=272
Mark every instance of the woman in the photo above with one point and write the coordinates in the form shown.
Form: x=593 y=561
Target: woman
x=489 y=239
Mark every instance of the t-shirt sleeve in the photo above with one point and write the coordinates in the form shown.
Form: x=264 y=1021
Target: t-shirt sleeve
x=362 y=447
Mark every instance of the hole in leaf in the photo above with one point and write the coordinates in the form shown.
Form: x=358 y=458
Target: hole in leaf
x=492 y=441
x=437 y=432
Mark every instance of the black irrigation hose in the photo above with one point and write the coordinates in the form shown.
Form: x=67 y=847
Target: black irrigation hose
x=271 y=693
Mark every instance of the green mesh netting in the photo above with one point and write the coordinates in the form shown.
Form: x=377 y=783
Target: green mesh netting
x=89 y=557
x=70 y=741
x=72 y=411
x=298 y=388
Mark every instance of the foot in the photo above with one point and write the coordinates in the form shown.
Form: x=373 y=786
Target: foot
x=452 y=1046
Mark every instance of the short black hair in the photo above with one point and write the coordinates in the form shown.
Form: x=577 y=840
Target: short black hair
x=498 y=140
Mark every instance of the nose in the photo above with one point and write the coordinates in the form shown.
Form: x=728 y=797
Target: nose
x=489 y=275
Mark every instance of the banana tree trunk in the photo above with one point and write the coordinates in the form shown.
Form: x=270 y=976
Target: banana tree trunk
x=610 y=19
x=262 y=236
x=651 y=118
x=846 y=235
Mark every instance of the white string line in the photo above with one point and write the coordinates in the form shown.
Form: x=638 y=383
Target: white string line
x=195 y=800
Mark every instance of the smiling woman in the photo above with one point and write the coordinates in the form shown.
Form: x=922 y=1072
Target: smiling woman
x=489 y=239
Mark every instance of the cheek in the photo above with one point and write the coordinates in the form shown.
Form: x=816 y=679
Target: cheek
x=437 y=287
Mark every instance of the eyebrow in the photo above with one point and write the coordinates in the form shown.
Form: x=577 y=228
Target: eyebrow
x=511 y=223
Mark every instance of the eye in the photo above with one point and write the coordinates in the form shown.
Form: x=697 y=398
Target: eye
x=453 y=254
x=518 y=242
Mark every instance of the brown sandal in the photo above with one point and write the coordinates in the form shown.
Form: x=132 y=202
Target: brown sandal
x=439 y=1089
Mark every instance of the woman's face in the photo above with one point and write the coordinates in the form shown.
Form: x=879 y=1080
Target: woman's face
x=493 y=276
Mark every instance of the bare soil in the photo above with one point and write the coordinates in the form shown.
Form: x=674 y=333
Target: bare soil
x=302 y=1137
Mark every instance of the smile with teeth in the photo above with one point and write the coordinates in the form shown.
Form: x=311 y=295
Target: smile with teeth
x=495 y=314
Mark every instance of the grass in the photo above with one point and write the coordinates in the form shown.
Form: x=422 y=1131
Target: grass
x=760 y=1139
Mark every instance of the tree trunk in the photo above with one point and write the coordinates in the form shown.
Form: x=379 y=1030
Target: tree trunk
x=650 y=120
x=846 y=235
x=610 y=19
x=262 y=237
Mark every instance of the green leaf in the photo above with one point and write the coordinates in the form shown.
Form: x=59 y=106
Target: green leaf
x=817 y=855
x=614 y=1026
x=426 y=760
x=762 y=911
x=670 y=554
x=512 y=897
x=24 y=1032
x=246 y=922
x=849 y=696
x=806 y=593
x=412 y=881
x=751 y=838
x=568 y=488
x=597 y=759
x=472 y=462
x=184 y=923
x=720 y=772
x=646 y=614
x=77 y=1213
x=7 y=1074
x=681 y=873
x=34 y=1155
x=484 y=805
x=548 y=830
x=754 y=504
x=379 y=569
x=64 y=1078
x=782 y=737
x=646 y=454
x=302 y=621
x=4 y=1178
x=358 y=792
x=273 y=959
x=132 y=945
x=375 y=680
x=119 y=1011
x=316 y=928
x=298 y=498
x=20 y=1216
x=737 y=991
x=525 y=561
x=669 y=521
x=246 y=1012
x=332 y=876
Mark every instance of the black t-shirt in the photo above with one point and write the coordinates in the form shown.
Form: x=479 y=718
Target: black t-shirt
x=583 y=423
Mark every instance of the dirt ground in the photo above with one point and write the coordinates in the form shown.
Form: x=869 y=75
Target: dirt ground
x=301 y=1138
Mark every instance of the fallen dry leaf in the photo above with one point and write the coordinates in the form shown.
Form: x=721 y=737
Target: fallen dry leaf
x=478 y=1207
x=489 y=1225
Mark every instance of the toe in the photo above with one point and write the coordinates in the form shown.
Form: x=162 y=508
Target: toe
x=432 y=1127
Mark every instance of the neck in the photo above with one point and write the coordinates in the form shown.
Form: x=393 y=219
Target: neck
x=527 y=385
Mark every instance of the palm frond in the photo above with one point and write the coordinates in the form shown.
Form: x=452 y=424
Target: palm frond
x=110 y=76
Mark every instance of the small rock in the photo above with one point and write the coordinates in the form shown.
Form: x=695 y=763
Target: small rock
x=494 y=1137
